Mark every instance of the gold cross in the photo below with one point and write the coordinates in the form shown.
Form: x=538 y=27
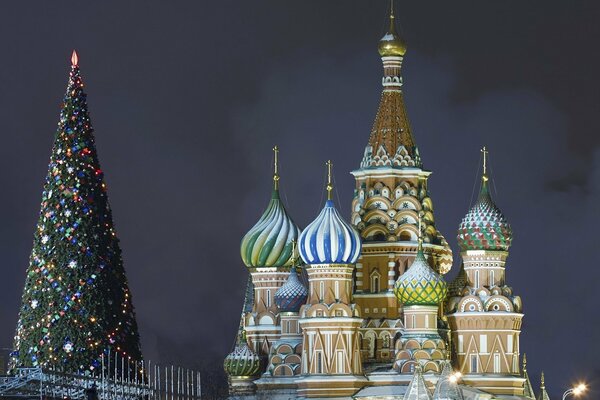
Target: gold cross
x=420 y=229
x=485 y=152
x=294 y=252
x=329 y=185
x=276 y=168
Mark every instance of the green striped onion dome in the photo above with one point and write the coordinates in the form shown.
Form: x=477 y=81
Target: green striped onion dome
x=420 y=285
x=242 y=361
x=269 y=242
x=484 y=227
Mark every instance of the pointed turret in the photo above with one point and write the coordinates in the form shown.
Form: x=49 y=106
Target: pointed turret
x=527 y=389
x=543 y=395
x=417 y=389
x=447 y=387
x=391 y=143
x=459 y=282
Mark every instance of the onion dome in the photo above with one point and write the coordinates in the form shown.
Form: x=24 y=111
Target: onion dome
x=484 y=227
x=292 y=294
x=391 y=44
x=420 y=285
x=329 y=239
x=458 y=283
x=242 y=361
x=269 y=242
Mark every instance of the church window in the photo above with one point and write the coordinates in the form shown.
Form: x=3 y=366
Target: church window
x=509 y=344
x=427 y=321
x=492 y=278
x=414 y=321
x=476 y=279
x=474 y=363
x=496 y=363
x=321 y=290
x=340 y=362
x=319 y=362
x=483 y=343
x=268 y=297
x=337 y=290
x=460 y=343
x=375 y=282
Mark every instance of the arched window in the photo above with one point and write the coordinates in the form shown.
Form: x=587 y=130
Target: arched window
x=322 y=291
x=375 y=282
x=405 y=236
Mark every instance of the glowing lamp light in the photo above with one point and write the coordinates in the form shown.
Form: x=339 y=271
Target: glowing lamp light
x=575 y=391
x=74 y=58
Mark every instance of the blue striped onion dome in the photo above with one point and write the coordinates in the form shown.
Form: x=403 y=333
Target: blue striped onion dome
x=329 y=239
x=420 y=285
x=292 y=294
x=269 y=242
x=484 y=227
x=242 y=361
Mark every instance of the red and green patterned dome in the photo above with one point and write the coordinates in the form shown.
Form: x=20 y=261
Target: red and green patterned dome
x=484 y=227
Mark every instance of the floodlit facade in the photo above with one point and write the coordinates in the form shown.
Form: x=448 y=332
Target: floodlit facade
x=360 y=308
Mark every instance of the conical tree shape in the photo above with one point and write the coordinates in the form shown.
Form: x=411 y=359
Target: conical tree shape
x=76 y=303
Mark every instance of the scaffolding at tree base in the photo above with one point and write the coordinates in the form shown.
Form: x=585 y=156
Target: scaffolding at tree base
x=175 y=383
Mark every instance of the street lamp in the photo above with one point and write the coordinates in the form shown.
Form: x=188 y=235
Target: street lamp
x=575 y=391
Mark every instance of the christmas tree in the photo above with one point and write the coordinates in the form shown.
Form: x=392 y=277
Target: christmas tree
x=76 y=306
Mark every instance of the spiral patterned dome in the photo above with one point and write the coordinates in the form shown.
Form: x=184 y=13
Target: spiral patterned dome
x=292 y=294
x=269 y=242
x=242 y=361
x=484 y=227
x=420 y=285
x=329 y=239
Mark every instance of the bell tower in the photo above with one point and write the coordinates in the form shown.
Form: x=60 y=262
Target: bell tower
x=391 y=190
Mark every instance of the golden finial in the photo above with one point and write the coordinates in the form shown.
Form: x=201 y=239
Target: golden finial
x=524 y=362
x=329 y=184
x=392 y=9
x=485 y=153
x=276 y=168
x=294 y=249
x=543 y=384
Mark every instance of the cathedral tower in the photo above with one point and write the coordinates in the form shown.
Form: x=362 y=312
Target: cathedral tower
x=391 y=189
x=267 y=252
x=421 y=291
x=484 y=315
x=331 y=362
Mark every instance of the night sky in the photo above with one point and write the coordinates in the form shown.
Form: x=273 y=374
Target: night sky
x=187 y=99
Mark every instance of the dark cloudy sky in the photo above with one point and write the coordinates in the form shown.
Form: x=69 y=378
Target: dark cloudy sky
x=187 y=99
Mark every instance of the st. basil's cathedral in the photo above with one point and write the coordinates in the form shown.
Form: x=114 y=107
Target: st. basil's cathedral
x=360 y=308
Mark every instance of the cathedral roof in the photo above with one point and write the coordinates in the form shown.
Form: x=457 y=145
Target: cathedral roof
x=420 y=285
x=543 y=395
x=329 y=239
x=417 y=389
x=484 y=227
x=269 y=242
x=292 y=294
x=447 y=387
x=391 y=143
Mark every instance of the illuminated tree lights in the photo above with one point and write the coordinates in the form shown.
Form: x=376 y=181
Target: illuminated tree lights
x=76 y=306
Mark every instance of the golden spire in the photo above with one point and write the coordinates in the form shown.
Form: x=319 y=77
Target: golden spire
x=329 y=186
x=276 y=169
x=543 y=386
x=485 y=152
x=524 y=362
